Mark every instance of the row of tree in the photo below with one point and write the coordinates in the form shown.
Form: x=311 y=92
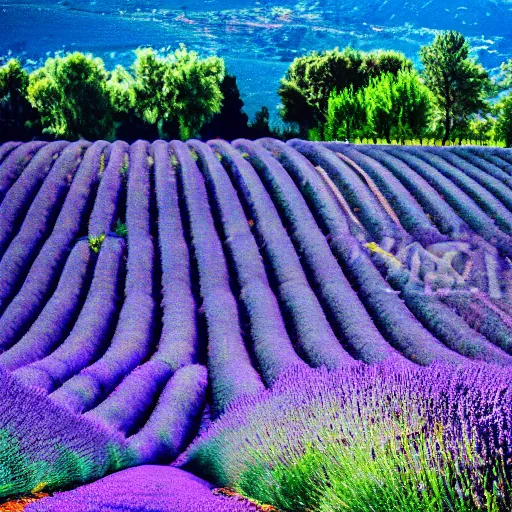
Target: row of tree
x=379 y=95
x=335 y=94
x=161 y=96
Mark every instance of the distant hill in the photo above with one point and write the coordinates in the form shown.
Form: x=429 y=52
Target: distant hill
x=258 y=39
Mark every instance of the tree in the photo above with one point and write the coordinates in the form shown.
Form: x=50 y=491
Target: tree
x=231 y=122
x=458 y=83
x=178 y=90
x=504 y=120
x=15 y=110
x=346 y=115
x=71 y=95
x=381 y=106
x=260 y=126
x=310 y=80
x=414 y=104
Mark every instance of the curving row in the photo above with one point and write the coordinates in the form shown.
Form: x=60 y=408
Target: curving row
x=239 y=261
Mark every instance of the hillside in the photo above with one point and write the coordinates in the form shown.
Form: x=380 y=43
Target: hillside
x=255 y=38
x=134 y=277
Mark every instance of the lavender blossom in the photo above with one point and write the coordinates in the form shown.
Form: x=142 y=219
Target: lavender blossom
x=22 y=193
x=48 y=264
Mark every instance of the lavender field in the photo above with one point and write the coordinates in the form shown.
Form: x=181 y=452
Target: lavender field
x=309 y=326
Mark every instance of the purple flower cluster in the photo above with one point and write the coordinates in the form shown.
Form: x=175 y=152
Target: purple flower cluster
x=465 y=207
x=175 y=418
x=48 y=264
x=442 y=214
x=22 y=193
x=106 y=206
x=14 y=164
x=485 y=161
x=395 y=321
x=133 y=338
x=452 y=410
x=313 y=334
x=490 y=195
x=269 y=339
x=127 y=405
x=178 y=345
x=38 y=222
x=352 y=321
x=441 y=320
x=155 y=488
x=45 y=447
x=409 y=212
x=370 y=211
x=57 y=317
x=93 y=328
x=6 y=148
x=230 y=369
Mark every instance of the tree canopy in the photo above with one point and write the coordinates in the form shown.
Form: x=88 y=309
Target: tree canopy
x=458 y=83
x=71 y=95
x=310 y=79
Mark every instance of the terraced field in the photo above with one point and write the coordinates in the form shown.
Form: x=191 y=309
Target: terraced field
x=145 y=288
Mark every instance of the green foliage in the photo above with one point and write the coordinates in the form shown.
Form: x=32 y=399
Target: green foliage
x=179 y=89
x=231 y=122
x=310 y=80
x=121 y=91
x=260 y=126
x=346 y=115
x=15 y=110
x=95 y=242
x=504 y=120
x=71 y=94
x=390 y=107
x=458 y=83
x=120 y=229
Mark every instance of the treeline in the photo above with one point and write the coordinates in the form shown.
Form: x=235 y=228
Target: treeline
x=350 y=94
x=334 y=95
x=173 y=96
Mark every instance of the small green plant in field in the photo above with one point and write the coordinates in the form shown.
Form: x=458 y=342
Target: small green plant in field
x=124 y=167
x=174 y=160
x=95 y=242
x=120 y=229
x=102 y=164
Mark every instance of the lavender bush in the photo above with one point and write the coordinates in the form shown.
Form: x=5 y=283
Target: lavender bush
x=397 y=323
x=269 y=339
x=463 y=175
x=93 y=328
x=348 y=314
x=465 y=207
x=175 y=419
x=229 y=364
x=6 y=148
x=14 y=164
x=56 y=319
x=179 y=344
x=44 y=447
x=48 y=264
x=22 y=193
x=442 y=214
x=485 y=161
x=314 y=337
x=370 y=211
x=132 y=341
x=38 y=222
x=146 y=488
x=382 y=438
x=106 y=206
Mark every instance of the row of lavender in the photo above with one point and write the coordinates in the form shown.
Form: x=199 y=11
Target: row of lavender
x=266 y=256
